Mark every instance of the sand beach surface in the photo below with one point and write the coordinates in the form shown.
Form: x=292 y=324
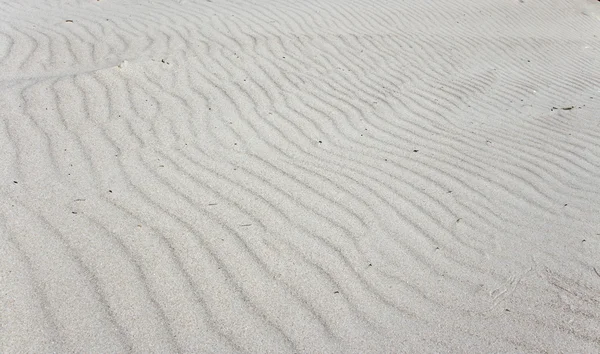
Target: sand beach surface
x=278 y=176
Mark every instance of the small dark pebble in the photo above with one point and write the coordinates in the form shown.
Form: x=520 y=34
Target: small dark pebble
x=336 y=292
x=415 y=150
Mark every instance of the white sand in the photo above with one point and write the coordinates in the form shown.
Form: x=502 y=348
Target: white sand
x=299 y=176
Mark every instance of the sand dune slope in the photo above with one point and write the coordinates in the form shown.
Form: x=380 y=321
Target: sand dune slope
x=299 y=176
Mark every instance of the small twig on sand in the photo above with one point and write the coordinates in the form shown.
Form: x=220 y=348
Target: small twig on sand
x=595 y=271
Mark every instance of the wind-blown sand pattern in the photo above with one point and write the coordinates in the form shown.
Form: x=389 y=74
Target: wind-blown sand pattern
x=299 y=176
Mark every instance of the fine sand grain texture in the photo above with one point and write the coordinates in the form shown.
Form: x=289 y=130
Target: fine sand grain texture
x=278 y=176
